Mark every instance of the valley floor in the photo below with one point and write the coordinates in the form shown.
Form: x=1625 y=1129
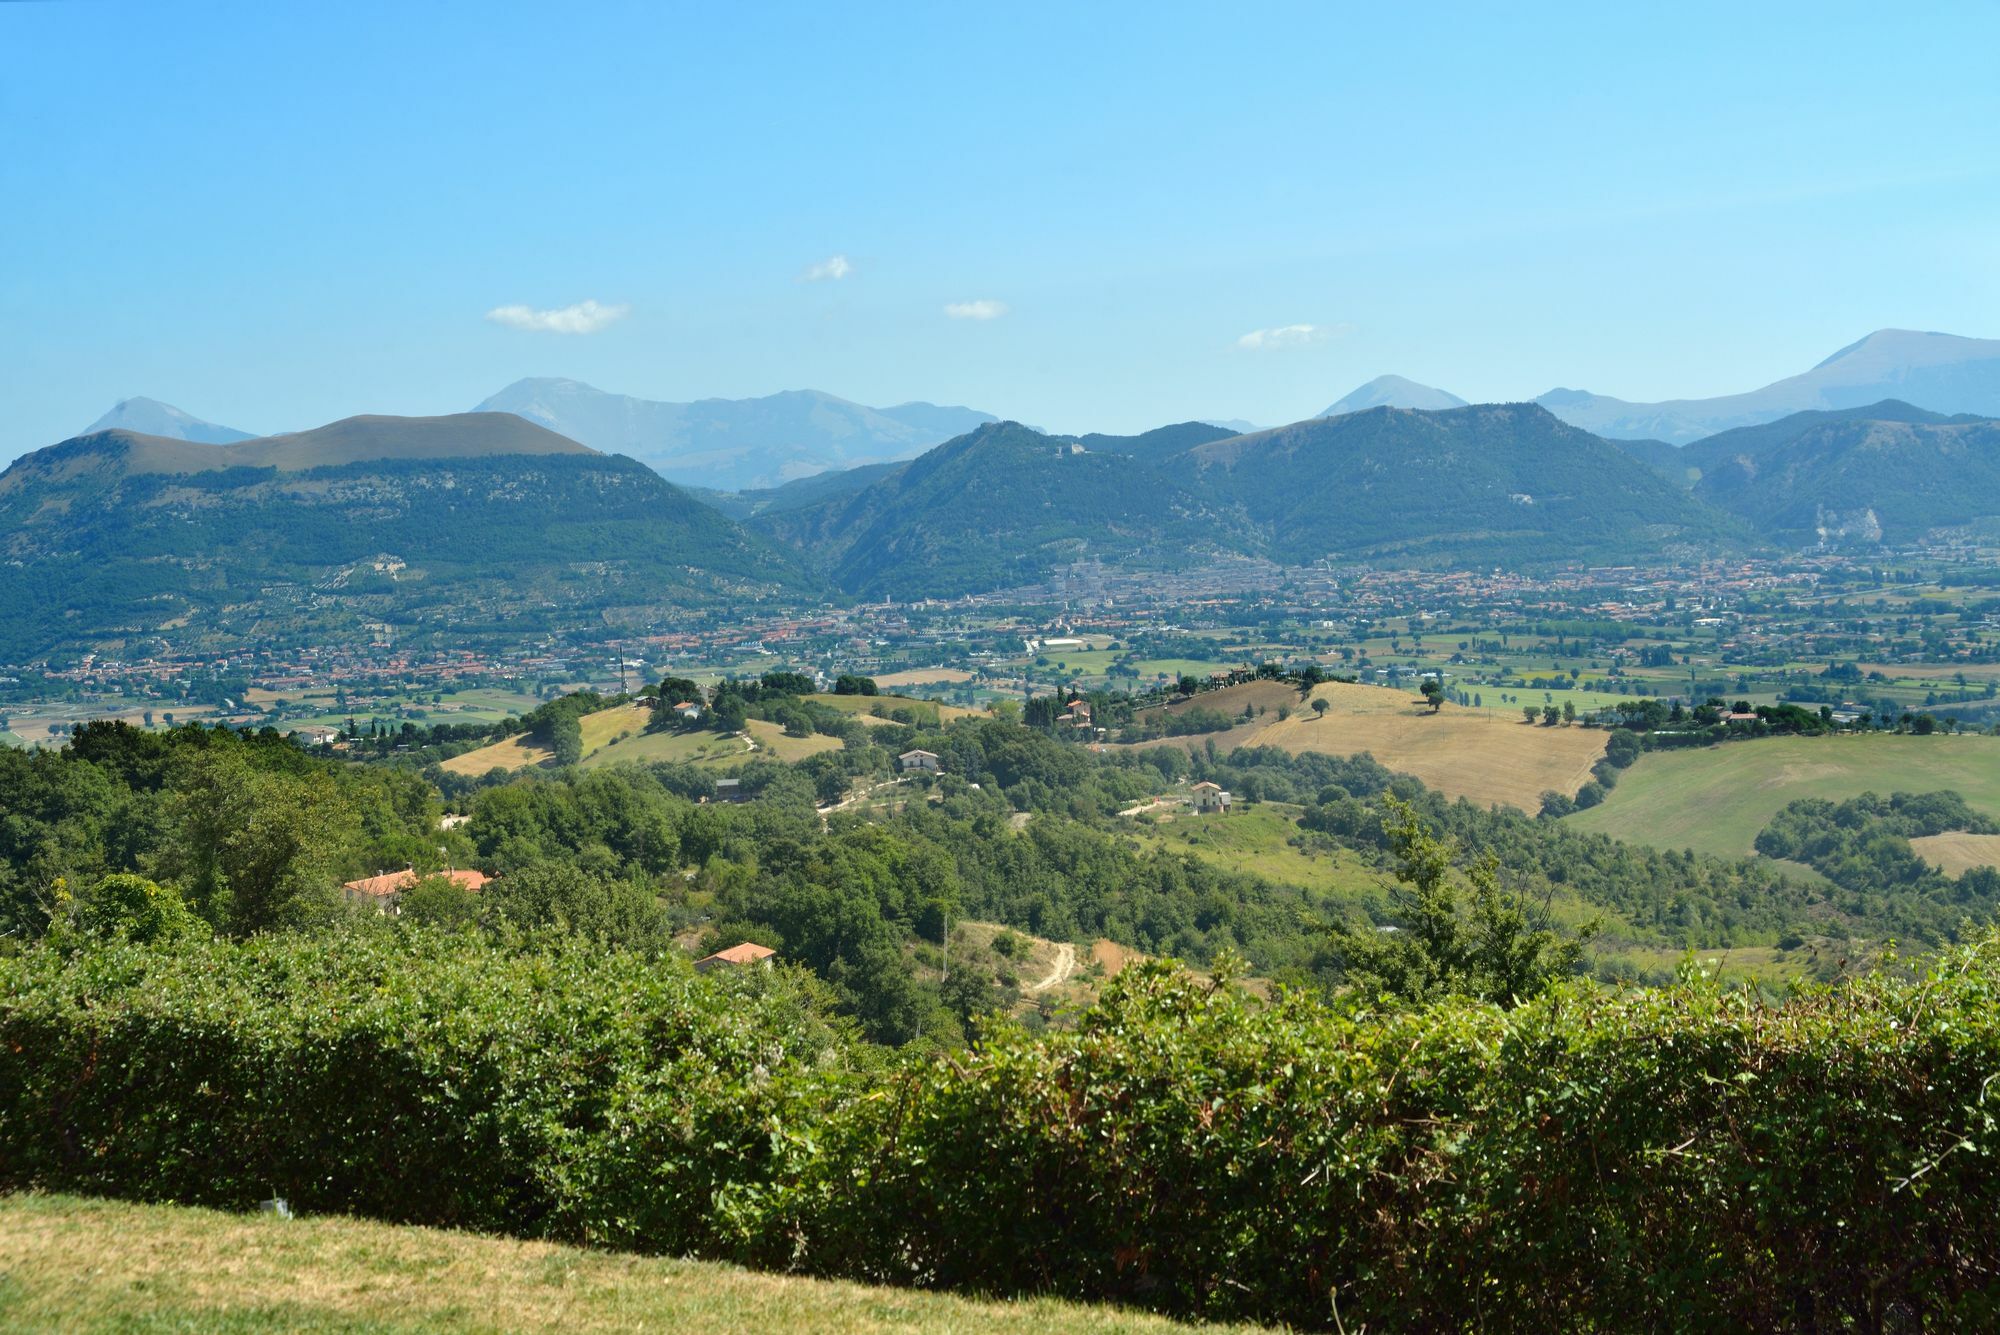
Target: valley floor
x=89 y=1265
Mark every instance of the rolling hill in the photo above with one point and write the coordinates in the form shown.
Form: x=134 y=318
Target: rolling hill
x=152 y=418
x=460 y=521
x=732 y=444
x=1940 y=372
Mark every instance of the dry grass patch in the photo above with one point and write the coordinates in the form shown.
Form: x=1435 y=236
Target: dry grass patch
x=1956 y=853
x=83 y=1265
x=1459 y=752
x=924 y=677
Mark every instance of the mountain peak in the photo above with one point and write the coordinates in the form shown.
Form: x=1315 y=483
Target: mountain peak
x=1945 y=373
x=733 y=444
x=150 y=417
x=1394 y=391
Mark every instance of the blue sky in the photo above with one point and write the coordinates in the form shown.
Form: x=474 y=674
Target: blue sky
x=274 y=215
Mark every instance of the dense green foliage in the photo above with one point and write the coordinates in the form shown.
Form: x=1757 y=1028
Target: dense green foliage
x=1593 y=1158
x=1862 y=845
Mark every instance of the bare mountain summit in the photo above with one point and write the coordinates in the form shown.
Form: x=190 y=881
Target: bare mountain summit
x=1941 y=372
x=1393 y=391
x=150 y=417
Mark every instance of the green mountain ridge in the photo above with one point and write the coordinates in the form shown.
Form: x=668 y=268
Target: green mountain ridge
x=1002 y=505
x=1845 y=479
x=418 y=522
x=1006 y=505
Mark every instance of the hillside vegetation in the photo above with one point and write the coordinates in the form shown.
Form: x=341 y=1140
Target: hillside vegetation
x=1589 y=1159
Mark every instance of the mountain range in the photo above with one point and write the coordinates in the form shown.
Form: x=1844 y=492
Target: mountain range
x=1940 y=372
x=1006 y=505
x=1886 y=473
x=468 y=522
x=735 y=444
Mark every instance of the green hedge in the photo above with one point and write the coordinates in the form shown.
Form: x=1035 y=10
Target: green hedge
x=1594 y=1159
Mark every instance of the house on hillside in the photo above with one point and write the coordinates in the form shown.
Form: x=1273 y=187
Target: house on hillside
x=1209 y=798
x=385 y=891
x=687 y=711
x=1077 y=714
x=737 y=957
x=918 y=761
x=730 y=790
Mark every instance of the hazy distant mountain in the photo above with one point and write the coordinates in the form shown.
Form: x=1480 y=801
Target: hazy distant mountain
x=733 y=444
x=1236 y=426
x=152 y=418
x=465 y=522
x=1940 y=372
x=1392 y=391
x=1889 y=473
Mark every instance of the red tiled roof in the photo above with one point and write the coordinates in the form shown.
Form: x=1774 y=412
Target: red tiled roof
x=749 y=952
x=395 y=882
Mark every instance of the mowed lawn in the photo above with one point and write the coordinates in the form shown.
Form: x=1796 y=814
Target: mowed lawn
x=86 y=1265
x=1716 y=799
x=1472 y=753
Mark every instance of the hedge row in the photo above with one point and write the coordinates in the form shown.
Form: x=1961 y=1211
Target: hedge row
x=1595 y=1159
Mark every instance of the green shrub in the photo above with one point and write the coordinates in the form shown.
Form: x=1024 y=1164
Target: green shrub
x=1591 y=1159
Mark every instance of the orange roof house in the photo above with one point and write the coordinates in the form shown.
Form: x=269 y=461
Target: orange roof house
x=386 y=889
x=748 y=952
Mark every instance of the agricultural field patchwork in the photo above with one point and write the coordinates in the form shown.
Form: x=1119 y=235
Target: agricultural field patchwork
x=1717 y=799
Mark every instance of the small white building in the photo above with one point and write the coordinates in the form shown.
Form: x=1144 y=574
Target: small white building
x=1210 y=798
x=918 y=761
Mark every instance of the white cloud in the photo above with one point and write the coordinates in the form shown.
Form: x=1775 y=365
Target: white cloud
x=1288 y=336
x=585 y=317
x=831 y=269
x=976 y=310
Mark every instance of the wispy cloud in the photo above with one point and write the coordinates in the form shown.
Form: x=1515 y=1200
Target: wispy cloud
x=976 y=310
x=585 y=317
x=829 y=270
x=1288 y=336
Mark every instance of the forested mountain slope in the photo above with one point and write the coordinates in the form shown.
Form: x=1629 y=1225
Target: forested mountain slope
x=1504 y=483
x=445 y=520
x=1848 y=480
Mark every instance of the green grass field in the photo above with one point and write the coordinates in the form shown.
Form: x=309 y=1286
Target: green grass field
x=87 y=1265
x=1257 y=839
x=1716 y=799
